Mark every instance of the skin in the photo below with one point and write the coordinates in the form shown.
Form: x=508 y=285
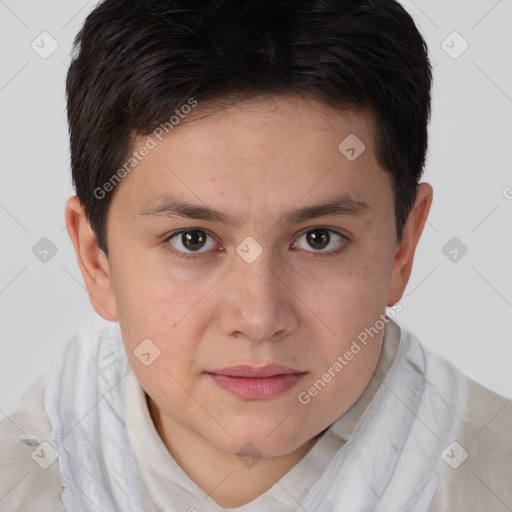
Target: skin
x=294 y=305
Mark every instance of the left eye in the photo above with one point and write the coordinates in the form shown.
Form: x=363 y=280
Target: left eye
x=320 y=240
x=193 y=240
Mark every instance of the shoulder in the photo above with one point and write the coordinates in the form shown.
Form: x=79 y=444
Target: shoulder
x=478 y=470
x=30 y=477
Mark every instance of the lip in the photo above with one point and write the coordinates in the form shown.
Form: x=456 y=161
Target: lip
x=247 y=370
x=256 y=382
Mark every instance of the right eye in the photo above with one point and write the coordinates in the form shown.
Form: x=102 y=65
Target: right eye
x=187 y=242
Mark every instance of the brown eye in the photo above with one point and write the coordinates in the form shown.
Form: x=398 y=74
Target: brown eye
x=192 y=240
x=322 y=240
x=318 y=238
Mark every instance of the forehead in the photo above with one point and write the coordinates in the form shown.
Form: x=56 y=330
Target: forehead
x=260 y=128
x=290 y=117
x=268 y=153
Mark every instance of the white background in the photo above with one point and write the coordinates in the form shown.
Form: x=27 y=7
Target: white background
x=462 y=310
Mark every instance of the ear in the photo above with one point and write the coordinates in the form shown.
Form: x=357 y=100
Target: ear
x=93 y=263
x=404 y=254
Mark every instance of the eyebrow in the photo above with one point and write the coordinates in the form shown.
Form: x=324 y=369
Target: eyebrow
x=344 y=206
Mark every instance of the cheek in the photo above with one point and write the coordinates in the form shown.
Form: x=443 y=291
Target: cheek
x=160 y=335
x=348 y=295
x=152 y=299
x=344 y=373
x=350 y=304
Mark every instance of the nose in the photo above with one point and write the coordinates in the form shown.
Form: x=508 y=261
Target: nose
x=259 y=305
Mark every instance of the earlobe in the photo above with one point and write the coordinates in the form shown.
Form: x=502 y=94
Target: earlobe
x=404 y=254
x=92 y=261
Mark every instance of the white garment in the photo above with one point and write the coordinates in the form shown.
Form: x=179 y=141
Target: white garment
x=392 y=462
x=85 y=401
x=482 y=482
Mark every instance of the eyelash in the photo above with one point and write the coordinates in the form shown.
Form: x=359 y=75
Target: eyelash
x=194 y=256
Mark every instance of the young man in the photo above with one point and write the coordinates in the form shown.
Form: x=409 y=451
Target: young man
x=248 y=205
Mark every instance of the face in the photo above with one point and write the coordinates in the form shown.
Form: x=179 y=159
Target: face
x=253 y=272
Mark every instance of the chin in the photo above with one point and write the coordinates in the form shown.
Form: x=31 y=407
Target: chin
x=245 y=440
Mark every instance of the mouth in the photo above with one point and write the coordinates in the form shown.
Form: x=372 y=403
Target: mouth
x=256 y=382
